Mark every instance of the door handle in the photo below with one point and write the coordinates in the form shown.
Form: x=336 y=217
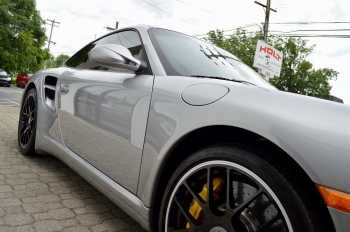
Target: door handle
x=64 y=88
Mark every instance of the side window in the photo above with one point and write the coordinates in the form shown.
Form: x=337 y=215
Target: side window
x=81 y=59
x=128 y=39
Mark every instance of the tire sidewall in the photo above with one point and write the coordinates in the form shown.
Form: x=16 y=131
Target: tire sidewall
x=29 y=149
x=252 y=162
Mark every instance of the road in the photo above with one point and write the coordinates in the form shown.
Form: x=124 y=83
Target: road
x=10 y=96
x=41 y=193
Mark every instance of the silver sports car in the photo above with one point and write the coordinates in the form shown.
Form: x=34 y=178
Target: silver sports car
x=183 y=136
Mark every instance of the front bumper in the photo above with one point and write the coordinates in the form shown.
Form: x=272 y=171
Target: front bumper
x=5 y=81
x=341 y=220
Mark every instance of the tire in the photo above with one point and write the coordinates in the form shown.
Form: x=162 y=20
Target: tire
x=17 y=84
x=27 y=123
x=264 y=196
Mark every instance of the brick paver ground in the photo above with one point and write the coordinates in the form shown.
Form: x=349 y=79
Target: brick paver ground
x=43 y=194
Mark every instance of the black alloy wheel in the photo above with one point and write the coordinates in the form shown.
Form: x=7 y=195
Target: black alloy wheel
x=27 y=123
x=226 y=189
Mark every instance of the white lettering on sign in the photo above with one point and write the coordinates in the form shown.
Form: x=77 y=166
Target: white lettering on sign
x=268 y=58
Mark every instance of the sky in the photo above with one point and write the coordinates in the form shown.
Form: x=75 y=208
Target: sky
x=80 y=22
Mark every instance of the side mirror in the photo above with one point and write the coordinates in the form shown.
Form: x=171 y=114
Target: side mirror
x=114 y=56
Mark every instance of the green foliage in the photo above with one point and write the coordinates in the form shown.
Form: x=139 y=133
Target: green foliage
x=297 y=74
x=22 y=36
x=57 y=62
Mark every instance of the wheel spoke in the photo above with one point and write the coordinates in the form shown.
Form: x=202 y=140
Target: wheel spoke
x=229 y=188
x=241 y=205
x=268 y=224
x=24 y=133
x=188 y=217
x=210 y=193
x=28 y=107
x=238 y=210
x=194 y=195
x=26 y=121
x=24 y=114
x=23 y=127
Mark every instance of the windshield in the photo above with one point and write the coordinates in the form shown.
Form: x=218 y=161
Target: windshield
x=2 y=72
x=182 y=55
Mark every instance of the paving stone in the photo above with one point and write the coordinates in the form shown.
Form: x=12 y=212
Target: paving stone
x=73 y=203
x=20 y=187
x=55 y=214
x=60 y=190
x=78 y=229
x=40 y=193
x=14 y=209
x=29 y=192
x=77 y=194
x=37 y=186
x=16 y=181
x=40 y=207
x=113 y=224
x=119 y=213
x=70 y=222
x=89 y=219
x=6 y=202
x=6 y=195
x=27 y=228
x=18 y=219
x=48 y=226
x=5 y=188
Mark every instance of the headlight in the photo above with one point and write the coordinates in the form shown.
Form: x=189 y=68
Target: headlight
x=8 y=79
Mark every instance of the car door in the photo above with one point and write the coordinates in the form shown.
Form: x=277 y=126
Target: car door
x=103 y=112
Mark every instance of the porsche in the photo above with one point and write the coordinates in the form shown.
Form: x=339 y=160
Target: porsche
x=183 y=136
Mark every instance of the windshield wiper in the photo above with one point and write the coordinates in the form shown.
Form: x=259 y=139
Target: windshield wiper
x=223 y=78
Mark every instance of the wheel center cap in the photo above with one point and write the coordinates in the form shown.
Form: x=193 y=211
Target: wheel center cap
x=218 y=229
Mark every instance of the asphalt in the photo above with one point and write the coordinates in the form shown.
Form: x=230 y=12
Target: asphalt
x=40 y=193
x=10 y=96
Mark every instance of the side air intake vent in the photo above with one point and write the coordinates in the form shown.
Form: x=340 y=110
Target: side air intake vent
x=50 y=90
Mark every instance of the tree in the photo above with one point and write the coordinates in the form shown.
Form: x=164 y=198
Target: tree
x=22 y=36
x=58 y=61
x=297 y=74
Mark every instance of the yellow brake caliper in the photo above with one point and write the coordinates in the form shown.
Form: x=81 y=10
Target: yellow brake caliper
x=195 y=210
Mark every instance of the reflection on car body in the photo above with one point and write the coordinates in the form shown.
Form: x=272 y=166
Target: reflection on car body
x=183 y=136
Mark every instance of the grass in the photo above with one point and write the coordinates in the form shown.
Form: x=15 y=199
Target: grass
x=13 y=81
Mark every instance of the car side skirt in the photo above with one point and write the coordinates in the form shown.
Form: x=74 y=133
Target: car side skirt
x=124 y=199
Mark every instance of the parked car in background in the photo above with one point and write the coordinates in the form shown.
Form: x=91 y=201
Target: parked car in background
x=184 y=137
x=5 y=78
x=22 y=79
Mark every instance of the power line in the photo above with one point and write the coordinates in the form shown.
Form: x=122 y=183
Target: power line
x=130 y=10
x=94 y=7
x=309 y=22
x=167 y=12
x=245 y=26
x=324 y=36
x=206 y=10
x=313 y=30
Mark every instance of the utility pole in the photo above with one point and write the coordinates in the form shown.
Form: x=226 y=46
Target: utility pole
x=49 y=42
x=267 y=17
x=112 y=29
x=266 y=27
x=109 y=28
